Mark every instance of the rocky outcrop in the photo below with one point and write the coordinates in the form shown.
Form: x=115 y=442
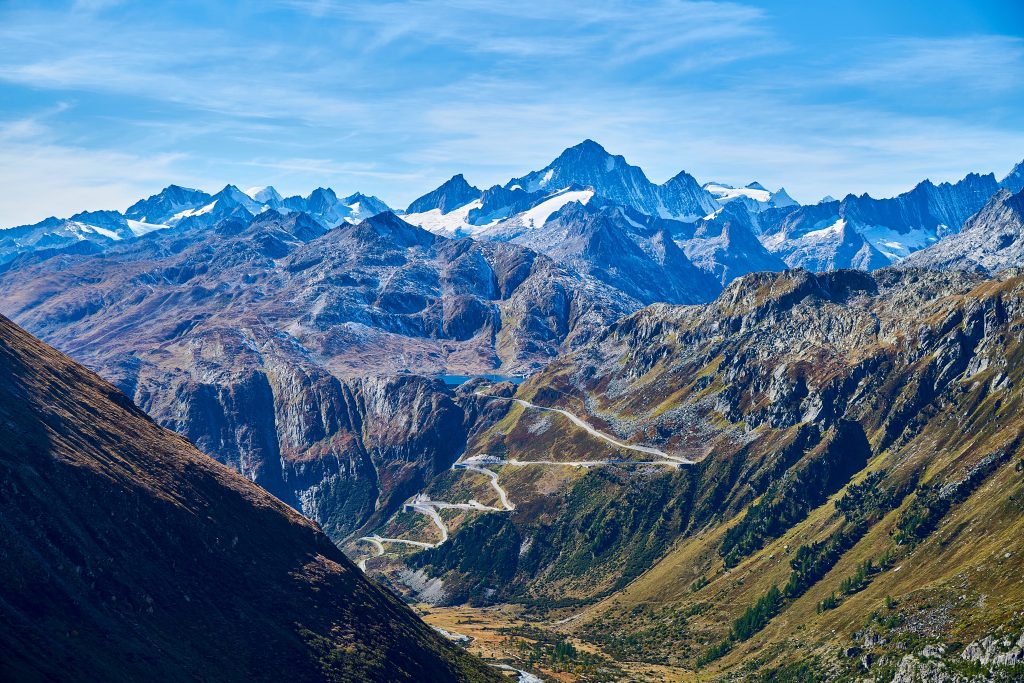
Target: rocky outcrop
x=992 y=240
x=995 y=659
x=628 y=251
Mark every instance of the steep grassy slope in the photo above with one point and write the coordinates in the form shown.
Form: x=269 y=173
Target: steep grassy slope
x=126 y=554
x=836 y=419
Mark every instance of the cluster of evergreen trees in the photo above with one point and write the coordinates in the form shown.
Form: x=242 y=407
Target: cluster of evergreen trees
x=755 y=618
x=860 y=579
x=812 y=562
x=788 y=501
x=862 y=505
x=932 y=502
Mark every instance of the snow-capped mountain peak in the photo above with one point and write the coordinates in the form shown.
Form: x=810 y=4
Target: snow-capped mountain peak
x=364 y=206
x=588 y=164
x=781 y=199
x=265 y=195
x=173 y=199
x=452 y=194
x=231 y=196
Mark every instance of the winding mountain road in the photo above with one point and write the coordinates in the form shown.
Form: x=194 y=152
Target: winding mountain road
x=422 y=503
x=493 y=476
x=593 y=431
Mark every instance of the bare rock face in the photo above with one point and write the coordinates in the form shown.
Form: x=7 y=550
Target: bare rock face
x=992 y=240
x=991 y=651
x=341 y=451
x=625 y=249
x=994 y=659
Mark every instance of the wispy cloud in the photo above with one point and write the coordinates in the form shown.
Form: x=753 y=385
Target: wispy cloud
x=195 y=68
x=618 y=32
x=986 y=62
x=60 y=180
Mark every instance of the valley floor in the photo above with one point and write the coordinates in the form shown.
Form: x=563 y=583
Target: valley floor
x=503 y=633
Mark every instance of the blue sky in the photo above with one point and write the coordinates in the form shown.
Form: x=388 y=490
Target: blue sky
x=102 y=102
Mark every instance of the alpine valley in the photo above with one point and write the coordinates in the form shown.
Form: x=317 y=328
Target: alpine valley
x=590 y=427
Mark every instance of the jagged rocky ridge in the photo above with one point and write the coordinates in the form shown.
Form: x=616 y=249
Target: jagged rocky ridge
x=128 y=554
x=867 y=233
x=589 y=165
x=858 y=231
x=991 y=240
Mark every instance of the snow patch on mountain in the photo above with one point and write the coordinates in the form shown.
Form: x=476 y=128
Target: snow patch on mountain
x=726 y=193
x=827 y=232
x=897 y=245
x=140 y=228
x=455 y=222
x=192 y=212
x=79 y=228
x=539 y=215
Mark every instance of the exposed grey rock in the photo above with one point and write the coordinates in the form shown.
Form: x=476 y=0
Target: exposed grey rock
x=628 y=251
x=589 y=165
x=992 y=240
x=452 y=194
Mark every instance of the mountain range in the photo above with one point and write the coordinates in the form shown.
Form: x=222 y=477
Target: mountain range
x=814 y=468
x=600 y=427
x=857 y=231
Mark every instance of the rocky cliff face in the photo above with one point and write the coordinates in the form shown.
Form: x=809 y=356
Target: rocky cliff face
x=628 y=251
x=129 y=554
x=992 y=240
x=344 y=452
x=725 y=244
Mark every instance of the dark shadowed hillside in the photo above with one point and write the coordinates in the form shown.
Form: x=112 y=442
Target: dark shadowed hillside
x=126 y=554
